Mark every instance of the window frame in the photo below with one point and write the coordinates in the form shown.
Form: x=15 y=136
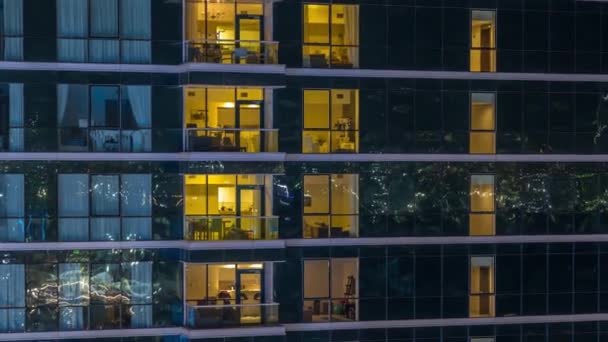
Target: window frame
x=331 y=297
x=121 y=129
x=329 y=45
x=120 y=215
x=470 y=209
x=494 y=119
x=492 y=50
x=330 y=130
x=330 y=213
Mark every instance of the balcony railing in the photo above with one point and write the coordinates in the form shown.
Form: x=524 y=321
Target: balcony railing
x=232 y=51
x=231 y=140
x=230 y=315
x=232 y=228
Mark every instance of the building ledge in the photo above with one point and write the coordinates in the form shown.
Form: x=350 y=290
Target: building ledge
x=445 y=322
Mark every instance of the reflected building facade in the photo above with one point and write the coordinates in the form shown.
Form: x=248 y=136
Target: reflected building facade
x=290 y=170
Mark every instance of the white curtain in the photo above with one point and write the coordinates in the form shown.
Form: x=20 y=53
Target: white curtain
x=136 y=52
x=135 y=19
x=351 y=32
x=74 y=229
x=104 y=195
x=140 y=101
x=73 y=191
x=104 y=18
x=13 y=28
x=73 y=293
x=139 y=289
x=136 y=228
x=103 y=51
x=72 y=50
x=105 y=228
x=11 y=207
x=12 y=200
x=12 y=298
x=63 y=91
x=72 y=22
x=136 y=192
x=16 y=117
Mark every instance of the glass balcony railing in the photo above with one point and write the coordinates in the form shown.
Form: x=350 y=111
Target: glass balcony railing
x=230 y=315
x=232 y=51
x=205 y=228
x=231 y=140
x=335 y=56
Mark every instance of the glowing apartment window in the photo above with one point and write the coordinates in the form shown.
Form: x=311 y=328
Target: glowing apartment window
x=330 y=290
x=226 y=120
x=227 y=207
x=482 y=139
x=331 y=206
x=482 y=206
x=331 y=36
x=483 y=41
x=481 y=295
x=331 y=121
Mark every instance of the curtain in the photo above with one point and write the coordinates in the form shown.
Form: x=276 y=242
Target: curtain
x=135 y=19
x=72 y=50
x=73 y=191
x=12 y=201
x=73 y=294
x=104 y=18
x=351 y=32
x=140 y=101
x=103 y=51
x=105 y=228
x=63 y=90
x=136 y=52
x=139 y=289
x=73 y=195
x=74 y=229
x=104 y=195
x=11 y=207
x=136 y=228
x=72 y=22
x=13 y=27
x=136 y=192
x=16 y=117
x=12 y=298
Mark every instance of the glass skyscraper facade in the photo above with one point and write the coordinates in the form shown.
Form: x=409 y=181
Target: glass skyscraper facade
x=304 y=170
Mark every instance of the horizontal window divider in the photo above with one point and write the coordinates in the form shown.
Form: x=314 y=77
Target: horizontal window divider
x=284 y=243
x=148 y=332
x=146 y=68
x=148 y=244
x=444 y=240
x=299 y=157
x=147 y=156
x=444 y=322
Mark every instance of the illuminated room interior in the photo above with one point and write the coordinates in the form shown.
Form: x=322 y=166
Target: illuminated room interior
x=331 y=35
x=330 y=290
x=225 y=286
x=481 y=299
x=221 y=207
x=224 y=119
x=483 y=41
x=483 y=124
x=331 y=205
x=331 y=121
